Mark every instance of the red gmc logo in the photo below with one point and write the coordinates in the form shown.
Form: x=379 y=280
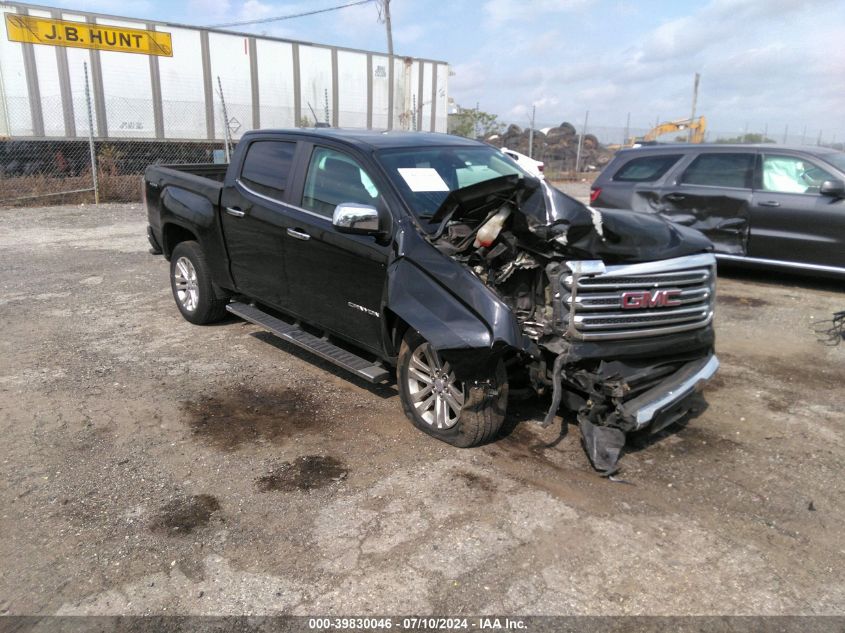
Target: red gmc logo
x=641 y=299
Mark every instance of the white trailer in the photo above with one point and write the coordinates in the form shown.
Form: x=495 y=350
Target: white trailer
x=139 y=91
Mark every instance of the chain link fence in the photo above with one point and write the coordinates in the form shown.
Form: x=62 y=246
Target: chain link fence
x=54 y=169
x=36 y=171
x=573 y=151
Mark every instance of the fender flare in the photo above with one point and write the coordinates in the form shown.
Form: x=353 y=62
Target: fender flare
x=444 y=320
x=193 y=209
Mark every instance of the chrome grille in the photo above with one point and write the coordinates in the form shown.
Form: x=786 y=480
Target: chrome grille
x=592 y=296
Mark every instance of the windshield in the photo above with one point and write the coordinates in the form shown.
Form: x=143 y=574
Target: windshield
x=426 y=175
x=837 y=159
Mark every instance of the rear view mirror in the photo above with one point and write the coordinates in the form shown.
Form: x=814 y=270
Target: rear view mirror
x=832 y=188
x=351 y=217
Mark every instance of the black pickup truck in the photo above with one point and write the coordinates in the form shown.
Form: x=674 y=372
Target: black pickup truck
x=440 y=257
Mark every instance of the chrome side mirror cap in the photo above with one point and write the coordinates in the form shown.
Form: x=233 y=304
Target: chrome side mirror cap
x=351 y=217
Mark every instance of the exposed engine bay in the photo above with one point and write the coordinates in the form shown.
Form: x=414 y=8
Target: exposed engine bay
x=535 y=248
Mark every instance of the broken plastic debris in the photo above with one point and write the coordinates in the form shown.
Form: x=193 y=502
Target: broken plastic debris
x=603 y=445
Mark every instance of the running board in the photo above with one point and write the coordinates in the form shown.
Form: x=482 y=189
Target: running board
x=314 y=344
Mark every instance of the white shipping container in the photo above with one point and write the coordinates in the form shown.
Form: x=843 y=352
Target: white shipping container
x=138 y=96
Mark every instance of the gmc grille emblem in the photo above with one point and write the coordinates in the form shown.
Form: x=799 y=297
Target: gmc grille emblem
x=641 y=299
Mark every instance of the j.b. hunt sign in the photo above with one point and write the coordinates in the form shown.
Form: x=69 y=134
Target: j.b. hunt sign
x=34 y=30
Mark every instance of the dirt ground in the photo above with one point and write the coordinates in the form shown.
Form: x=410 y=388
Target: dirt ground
x=153 y=466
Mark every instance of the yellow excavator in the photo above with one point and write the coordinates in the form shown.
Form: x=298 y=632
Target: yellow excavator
x=697 y=126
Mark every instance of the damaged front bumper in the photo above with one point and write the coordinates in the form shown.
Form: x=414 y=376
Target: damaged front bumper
x=615 y=398
x=662 y=399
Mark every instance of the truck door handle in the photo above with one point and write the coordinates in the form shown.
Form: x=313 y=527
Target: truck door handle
x=770 y=203
x=236 y=211
x=299 y=235
x=675 y=197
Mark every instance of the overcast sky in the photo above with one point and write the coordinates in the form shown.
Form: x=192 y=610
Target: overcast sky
x=762 y=62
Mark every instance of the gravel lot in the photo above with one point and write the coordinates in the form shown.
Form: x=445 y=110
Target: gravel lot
x=152 y=466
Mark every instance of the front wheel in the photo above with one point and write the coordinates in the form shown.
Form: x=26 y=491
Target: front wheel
x=461 y=413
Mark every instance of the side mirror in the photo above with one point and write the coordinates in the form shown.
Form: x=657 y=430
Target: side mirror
x=351 y=217
x=832 y=188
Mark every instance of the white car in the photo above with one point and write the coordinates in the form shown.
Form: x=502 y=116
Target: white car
x=533 y=167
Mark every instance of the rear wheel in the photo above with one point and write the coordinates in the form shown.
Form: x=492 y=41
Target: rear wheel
x=190 y=280
x=461 y=413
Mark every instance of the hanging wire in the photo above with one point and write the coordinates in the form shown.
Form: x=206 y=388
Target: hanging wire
x=290 y=16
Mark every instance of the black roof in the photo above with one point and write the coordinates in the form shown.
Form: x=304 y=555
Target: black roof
x=380 y=139
x=664 y=147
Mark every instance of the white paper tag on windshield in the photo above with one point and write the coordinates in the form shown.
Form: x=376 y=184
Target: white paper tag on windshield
x=423 y=179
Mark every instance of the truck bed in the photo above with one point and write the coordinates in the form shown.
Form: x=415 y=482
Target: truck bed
x=200 y=179
x=214 y=171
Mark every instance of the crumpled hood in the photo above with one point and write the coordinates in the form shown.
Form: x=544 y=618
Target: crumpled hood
x=613 y=235
x=547 y=216
x=629 y=236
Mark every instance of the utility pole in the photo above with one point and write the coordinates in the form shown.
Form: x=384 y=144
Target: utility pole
x=387 y=26
x=531 y=132
x=694 y=103
x=785 y=133
x=804 y=135
x=627 y=130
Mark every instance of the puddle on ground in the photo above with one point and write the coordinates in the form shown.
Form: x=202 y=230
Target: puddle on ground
x=304 y=473
x=232 y=419
x=185 y=514
x=477 y=482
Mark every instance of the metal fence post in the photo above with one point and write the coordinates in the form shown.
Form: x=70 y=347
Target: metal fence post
x=91 y=136
x=225 y=120
x=531 y=132
x=581 y=143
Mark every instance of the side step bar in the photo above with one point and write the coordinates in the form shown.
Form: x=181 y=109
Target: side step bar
x=321 y=347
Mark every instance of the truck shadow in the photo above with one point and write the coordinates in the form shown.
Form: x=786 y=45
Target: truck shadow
x=527 y=414
x=523 y=416
x=645 y=439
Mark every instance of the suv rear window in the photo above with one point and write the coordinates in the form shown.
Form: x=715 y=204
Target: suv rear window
x=266 y=167
x=720 y=170
x=646 y=168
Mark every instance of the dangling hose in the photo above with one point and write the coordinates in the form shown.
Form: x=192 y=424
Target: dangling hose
x=557 y=392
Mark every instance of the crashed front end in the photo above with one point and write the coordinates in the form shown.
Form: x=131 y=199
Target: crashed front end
x=638 y=345
x=617 y=308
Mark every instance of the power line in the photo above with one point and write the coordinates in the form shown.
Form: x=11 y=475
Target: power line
x=289 y=17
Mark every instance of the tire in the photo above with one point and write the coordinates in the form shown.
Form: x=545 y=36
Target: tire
x=190 y=281
x=472 y=419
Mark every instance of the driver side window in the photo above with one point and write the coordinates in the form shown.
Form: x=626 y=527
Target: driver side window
x=792 y=174
x=333 y=177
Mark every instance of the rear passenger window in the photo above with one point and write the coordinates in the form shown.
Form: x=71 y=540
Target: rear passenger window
x=646 y=169
x=266 y=167
x=720 y=170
